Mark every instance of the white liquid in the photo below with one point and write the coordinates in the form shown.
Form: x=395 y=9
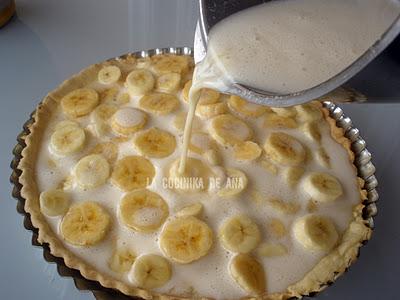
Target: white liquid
x=288 y=46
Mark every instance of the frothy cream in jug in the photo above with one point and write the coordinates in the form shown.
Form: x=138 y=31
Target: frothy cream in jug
x=288 y=46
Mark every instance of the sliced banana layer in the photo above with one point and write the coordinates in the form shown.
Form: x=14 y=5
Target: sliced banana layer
x=85 y=224
x=246 y=151
x=67 y=140
x=200 y=142
x=150 y=271
x=228 y=130
x=139 y=82
x=79 y=102
x=245 y=108
x=194 y=210
x=159 y=103
x=128 y=120
x=284 y=207
x=289 y=112
x=133 y=172
x=284 y=149
x=185 y=240
x=308 y=112
x=166 y=63
x=236 y=182
x=155 y=143
x=239 y=234
x=100 y=118
x=311 y=131
x=273 y=120
x=322 y=187
x=109 y=74
x=54 y=202
x=193 y=180
x=121 y=260
x=315 y=232
x=293 y=175
x=277 y=228
x=169 y=82
x=208 y=111
x=180 y=121
x=248 y=273
x=272 y=250
x=108 y=150
x=66 y=123
x=143 y=210
x=91 y=171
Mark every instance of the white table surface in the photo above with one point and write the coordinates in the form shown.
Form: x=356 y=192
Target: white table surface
x=50 y=40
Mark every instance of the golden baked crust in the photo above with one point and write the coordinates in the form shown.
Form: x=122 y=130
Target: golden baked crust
x=328 y=269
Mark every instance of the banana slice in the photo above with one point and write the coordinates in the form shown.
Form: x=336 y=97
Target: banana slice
x=213 y=157
x=245 y=108
x=273 y=120
x=239 y=234
x=169 y=82
x=277 y=228
x=200 y=142
x=293 y=175
x=269 y=166
x=284 y=149
x=108 y=150
x=155 y=143
x=287 y=208
x=186 y=89
x=193 y=180
x=311 y=131
x=248 y=273
x=54 y=202
x=85 y=224
x=67 y=140
x=315 y=232
x=236 y=182
x=150 y=271
x=308 y=112
x=121 y=260
x=100 y=118
x=208 y=96
x=185 y=240
x=79 y=102
x=323 y=158
x=167 y=63
x=180 y=121
x=139 y=82
x=285 y=111
x=143 y=210
x=208 y=111
x=133 y=172
x=113 y=97
x=159 y=103
x=194 y=210
x=109 y=75
x=128 y=120
x=229 y=131
x=246 y=151
x=143 y=63
x=272 y=250
x=91 y=171
x=66 y=123
x=322 y=187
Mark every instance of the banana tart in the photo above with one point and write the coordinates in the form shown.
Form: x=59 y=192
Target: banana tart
x=269 y=206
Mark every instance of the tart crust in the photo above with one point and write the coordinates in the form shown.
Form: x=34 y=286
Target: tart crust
x=324 y=272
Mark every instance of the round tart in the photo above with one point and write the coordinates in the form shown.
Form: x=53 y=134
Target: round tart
x=270 y=204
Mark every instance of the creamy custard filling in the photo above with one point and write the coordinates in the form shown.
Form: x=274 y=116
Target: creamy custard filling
x=209 y=275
